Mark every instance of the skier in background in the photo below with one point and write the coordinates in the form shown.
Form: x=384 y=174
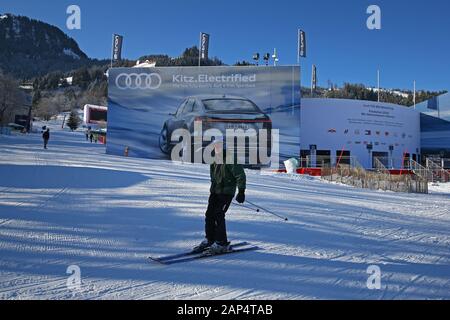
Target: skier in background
x=91 y=137
x=46 y=137
x=225 y=178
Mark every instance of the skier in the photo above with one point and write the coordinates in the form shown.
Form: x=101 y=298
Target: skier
x=224 y=180
x=46 y=137
x=91 y=137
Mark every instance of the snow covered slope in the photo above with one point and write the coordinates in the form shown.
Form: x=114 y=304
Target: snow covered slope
x=74 y=205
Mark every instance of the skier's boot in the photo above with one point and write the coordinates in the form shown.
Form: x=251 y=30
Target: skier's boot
x=205 y=244
x=218 y=248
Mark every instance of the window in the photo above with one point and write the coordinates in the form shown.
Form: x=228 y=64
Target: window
x=323 y=158
x=406 y=157
x=343 y=157
x=180 y=109
x=230 y=105
x=382 y=157
x=98 y=115
x=196 y=107
x=305 y=158
x=189 y=106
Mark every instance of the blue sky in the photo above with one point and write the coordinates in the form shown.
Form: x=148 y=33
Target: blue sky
x=412 y=44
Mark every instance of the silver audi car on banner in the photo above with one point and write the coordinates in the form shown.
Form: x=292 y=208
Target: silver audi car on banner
x=220 y=112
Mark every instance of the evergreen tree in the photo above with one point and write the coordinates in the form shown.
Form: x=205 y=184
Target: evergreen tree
x=81 y=78
x=74 y=121
x=243 y=63
x=36 y=97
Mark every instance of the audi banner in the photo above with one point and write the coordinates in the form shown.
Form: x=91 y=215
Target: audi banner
x=117 y=48
x=204 y=46
x=314 y=78
x=149 y=107
x=302 y=44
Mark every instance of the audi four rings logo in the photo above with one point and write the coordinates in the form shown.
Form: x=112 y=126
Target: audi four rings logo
x=138 y=81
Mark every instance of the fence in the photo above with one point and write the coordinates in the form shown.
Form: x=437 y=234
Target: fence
x=419 y=170
x=437 y=172
x=327 y=161
x=378 y=179
x=320 y=161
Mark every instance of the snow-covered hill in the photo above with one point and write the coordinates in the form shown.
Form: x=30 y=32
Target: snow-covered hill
x=74 y=205
x=30 y=48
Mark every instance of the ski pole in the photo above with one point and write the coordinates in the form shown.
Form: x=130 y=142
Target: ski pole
x=247 y=207
x=268 y=211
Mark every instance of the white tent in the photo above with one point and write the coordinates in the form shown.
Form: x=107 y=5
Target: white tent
x=145 y=64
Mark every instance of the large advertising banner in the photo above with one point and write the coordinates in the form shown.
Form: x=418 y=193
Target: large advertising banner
x=147 y=106
x=363 y=128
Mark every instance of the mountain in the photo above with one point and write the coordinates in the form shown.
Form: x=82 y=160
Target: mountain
x=30 y=48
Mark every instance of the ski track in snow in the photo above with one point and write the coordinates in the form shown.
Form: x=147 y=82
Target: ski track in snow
x=74 y=205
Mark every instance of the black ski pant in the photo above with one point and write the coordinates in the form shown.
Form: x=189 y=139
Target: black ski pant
x=215 y=227
x=45 y=143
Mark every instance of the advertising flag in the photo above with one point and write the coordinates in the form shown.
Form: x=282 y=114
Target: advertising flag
x=314 y=78
x=204 y=45
x=117 y=48
x=301 y=44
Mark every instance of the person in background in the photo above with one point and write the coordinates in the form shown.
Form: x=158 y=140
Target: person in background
x=91 y=137
x=46 y=137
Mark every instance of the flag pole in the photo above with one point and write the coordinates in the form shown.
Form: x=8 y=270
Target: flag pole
x=112 y=51
x=300 y=83
x=298 y=47
x=378 y=80
x=298 y=58
x=414 y=95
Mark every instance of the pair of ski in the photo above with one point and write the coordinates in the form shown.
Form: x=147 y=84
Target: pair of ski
x=192 y=256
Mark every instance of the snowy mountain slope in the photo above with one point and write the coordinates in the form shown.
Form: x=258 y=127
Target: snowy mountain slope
x=74 y=205
x=30 y=48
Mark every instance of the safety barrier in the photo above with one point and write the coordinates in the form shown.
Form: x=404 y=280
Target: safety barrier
x=378 y=179
x=437 y=172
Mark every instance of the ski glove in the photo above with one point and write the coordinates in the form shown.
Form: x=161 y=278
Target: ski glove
x=240 y=198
